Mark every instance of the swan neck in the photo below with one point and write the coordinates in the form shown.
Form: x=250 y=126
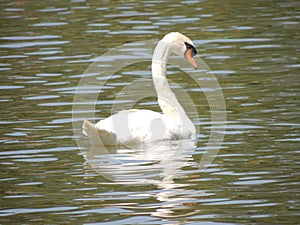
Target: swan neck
x=166 y=98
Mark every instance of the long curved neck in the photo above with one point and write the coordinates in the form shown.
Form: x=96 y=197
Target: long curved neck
x=166 y=98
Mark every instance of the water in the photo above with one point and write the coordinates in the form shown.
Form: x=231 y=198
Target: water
x=253 y=50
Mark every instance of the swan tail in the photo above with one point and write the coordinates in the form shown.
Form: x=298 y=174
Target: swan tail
x=98 y=136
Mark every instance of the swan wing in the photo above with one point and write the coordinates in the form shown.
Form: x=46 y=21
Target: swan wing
x=133 y=126
x=98 y=136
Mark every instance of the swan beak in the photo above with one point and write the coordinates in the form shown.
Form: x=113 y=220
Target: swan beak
x=189 y=55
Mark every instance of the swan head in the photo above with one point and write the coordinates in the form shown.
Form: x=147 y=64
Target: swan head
x=181 y=45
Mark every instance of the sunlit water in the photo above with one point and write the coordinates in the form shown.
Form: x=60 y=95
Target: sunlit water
x=251 y=47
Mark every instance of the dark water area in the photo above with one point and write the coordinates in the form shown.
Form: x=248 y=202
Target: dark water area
x=251 y=47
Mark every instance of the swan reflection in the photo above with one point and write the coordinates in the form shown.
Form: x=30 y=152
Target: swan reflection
x=157 y=163
x=154 y=163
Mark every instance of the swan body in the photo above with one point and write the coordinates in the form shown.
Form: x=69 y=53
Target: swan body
x=143 y=126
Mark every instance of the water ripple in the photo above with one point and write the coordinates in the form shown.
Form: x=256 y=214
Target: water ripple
x=32 y=44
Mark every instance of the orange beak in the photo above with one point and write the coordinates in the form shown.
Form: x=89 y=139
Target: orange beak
x=188 y=54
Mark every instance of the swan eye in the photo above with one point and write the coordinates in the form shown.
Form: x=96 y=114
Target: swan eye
x=189 y=46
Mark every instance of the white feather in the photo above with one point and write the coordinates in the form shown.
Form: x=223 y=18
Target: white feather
x=142 y=126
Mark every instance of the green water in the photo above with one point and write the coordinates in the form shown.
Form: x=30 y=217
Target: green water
x=252 y=47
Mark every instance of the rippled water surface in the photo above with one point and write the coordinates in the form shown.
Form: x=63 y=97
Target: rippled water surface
x=252 y=47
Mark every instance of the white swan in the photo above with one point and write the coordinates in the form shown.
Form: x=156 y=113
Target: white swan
x=143 y=126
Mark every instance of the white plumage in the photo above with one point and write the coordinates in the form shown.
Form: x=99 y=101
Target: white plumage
x=142 y=126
